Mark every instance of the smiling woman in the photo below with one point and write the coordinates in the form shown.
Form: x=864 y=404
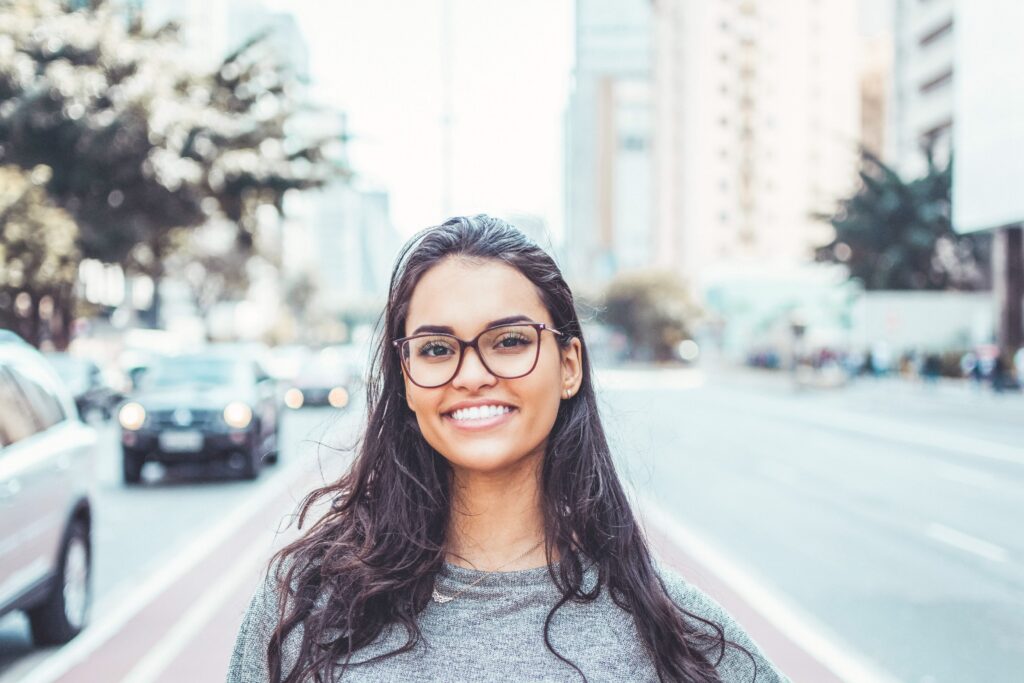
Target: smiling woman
x=482 y=532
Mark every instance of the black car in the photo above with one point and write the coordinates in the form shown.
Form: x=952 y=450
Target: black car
x=46 y=461
x=84 y=378
x=204 y=407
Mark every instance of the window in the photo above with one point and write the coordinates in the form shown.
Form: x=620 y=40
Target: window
x=942 y=79
x=44 y=406
x=943 y=29
x=16 y=419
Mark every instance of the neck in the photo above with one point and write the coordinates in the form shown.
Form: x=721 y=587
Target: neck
x=496 y=518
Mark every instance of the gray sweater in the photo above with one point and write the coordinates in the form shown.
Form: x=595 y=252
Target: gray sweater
x=494 y=632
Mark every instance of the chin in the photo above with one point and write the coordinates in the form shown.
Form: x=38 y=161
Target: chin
x=483 y=459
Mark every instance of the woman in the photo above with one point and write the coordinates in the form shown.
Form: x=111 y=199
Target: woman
x=482 y=532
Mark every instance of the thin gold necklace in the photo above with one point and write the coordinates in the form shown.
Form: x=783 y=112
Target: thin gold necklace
x=441 y=598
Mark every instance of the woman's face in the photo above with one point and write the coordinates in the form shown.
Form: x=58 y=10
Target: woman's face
x=466 y=296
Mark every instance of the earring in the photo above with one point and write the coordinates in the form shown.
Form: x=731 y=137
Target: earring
x=568 y=393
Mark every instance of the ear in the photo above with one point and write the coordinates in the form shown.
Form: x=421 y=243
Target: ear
x=572 y=366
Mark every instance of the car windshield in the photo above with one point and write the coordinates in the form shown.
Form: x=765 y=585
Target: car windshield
x=194 y=370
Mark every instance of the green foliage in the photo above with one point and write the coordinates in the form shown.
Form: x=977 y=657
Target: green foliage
x=38 y=255
x=141 y=142
x=897 y=234
x=653 y=309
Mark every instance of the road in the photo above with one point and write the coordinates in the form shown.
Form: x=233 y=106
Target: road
x=889 y=512
x=876 y=527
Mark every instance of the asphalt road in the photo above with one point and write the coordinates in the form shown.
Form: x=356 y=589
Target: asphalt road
x=889 y=514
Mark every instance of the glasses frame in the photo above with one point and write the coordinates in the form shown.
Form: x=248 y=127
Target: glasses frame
x=472 y=344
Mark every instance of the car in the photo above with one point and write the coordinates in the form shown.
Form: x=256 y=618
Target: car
x=326 y=379
x=91 y=391
x=46 y=462
x=203 y=407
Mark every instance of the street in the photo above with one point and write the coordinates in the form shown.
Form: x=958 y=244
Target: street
x=886 y=516
x=890 y=512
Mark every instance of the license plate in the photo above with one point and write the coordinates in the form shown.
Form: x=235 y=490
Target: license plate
x=181 y=441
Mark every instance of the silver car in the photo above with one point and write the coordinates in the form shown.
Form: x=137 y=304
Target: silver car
x=46 y=454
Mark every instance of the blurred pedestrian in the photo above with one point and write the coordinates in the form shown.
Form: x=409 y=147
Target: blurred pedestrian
x=482 y=532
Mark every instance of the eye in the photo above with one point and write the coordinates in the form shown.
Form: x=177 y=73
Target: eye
x=512 y=340
x=435 y=349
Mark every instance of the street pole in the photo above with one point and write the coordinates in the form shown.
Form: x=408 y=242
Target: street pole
x=446 y=107
x=1008 y=277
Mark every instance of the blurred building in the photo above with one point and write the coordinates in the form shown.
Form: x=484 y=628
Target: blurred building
x=213 y=28
x=876 y=66
x=921 y=102
x=756 y=126
x=342 y=238
x=608 y=147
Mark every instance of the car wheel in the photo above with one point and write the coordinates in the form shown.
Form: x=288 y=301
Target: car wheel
x=132 y=468
x=65 y=611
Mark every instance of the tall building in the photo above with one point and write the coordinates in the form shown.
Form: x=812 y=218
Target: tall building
x=921 y=103
x=756 y=126
x=876 y=66
x=608 y=151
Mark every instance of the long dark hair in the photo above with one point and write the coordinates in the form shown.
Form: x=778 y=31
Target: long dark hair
x=370 y=561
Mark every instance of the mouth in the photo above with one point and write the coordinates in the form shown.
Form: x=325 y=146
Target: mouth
x=479 y=418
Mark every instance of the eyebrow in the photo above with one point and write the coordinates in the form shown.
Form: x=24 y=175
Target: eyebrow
x=444 y=329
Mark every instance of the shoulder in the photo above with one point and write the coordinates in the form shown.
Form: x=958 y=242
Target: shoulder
x=261 y=618
x=735 y=665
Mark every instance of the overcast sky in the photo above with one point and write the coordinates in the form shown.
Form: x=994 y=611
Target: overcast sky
x=382 y=62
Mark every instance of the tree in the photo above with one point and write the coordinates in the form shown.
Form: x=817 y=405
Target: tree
x=38 y=258
x=897 y=234
x=142 y=145
x=653 y=309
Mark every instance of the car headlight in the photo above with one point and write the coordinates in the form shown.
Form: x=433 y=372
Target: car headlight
x=238 y=415
x=338 y=398
x=132 y=416
x=294 y=399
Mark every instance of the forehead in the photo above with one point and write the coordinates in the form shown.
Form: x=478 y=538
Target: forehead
x=467 y=294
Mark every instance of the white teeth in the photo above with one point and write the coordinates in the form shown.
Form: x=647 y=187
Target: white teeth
x=480 y=412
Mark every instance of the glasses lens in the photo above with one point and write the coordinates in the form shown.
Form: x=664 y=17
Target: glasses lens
x=511 y=350
x=431 y=361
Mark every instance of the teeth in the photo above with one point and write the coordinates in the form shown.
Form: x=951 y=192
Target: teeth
x=480 y=412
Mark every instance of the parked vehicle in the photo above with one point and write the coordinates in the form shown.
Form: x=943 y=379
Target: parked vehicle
x=217 y=405
x=46 y=455
x=91 y=391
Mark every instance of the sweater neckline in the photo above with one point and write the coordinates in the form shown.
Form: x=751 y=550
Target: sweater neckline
x=454 y=575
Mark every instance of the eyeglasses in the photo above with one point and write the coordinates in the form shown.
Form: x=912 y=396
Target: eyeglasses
x=432 y=360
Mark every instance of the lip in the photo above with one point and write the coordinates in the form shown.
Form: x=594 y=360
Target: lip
x=480 y=425
x=474 y=403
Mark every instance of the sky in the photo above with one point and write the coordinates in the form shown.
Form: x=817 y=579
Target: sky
x=381 y=62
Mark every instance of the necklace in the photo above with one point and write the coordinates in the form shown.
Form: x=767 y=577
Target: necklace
x=441 y=598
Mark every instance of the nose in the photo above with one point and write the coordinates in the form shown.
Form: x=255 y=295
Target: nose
x=472 y=374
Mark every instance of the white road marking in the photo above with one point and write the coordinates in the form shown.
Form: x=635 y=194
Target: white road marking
x=802 y=629
x=158 y=658
x=98 y=633
x=966 y=542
